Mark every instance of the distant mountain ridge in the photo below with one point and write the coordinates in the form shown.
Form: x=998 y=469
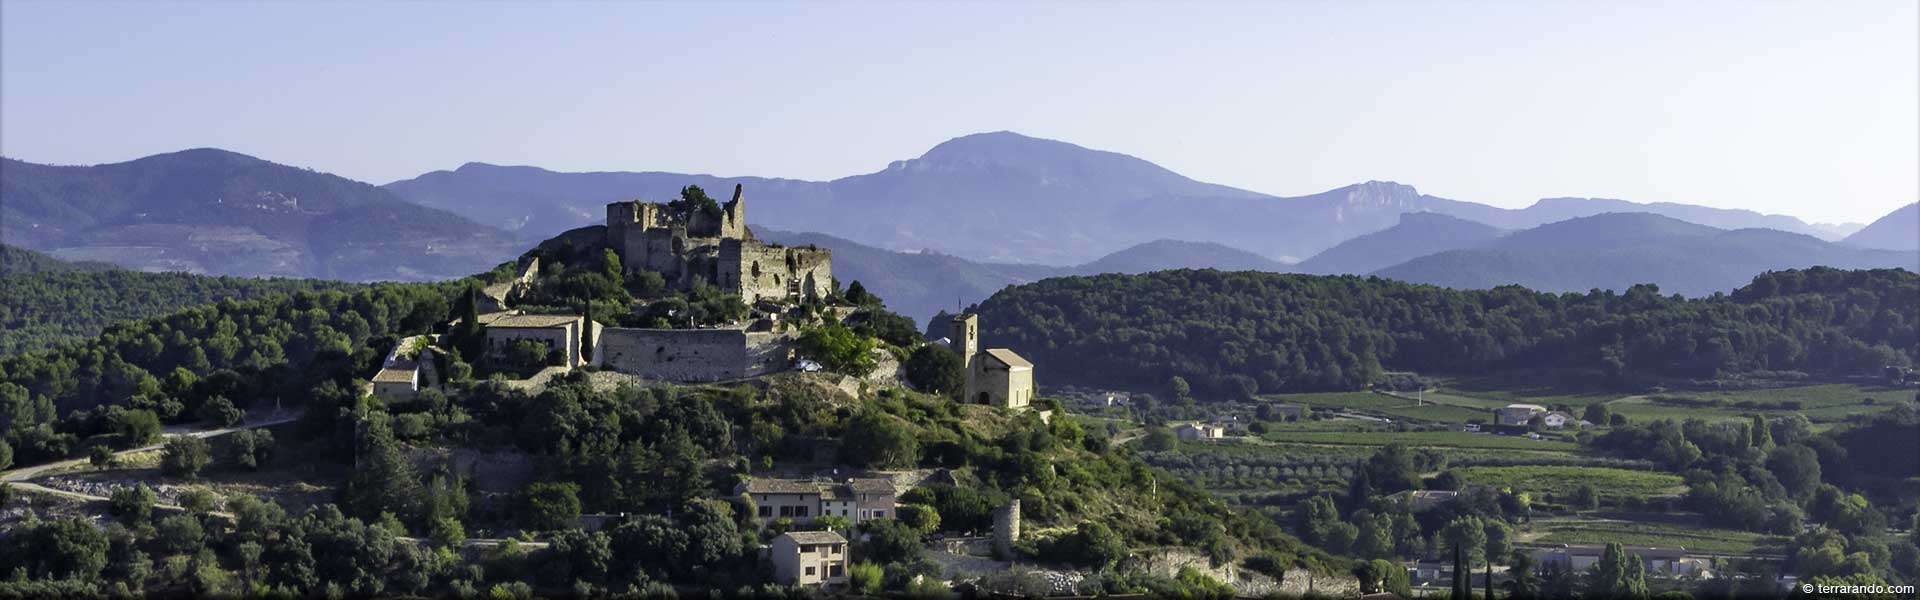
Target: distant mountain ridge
x=1618 y=250
x=219 y=212
x=1898 y=230
x=1417 y=234
x=1006 y=197
x=921 y=284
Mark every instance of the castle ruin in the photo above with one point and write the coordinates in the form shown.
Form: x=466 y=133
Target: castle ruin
x=694 y=243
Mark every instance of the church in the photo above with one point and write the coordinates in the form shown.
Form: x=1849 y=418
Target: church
x=995 y=376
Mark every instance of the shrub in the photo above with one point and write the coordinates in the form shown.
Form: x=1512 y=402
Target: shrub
x=184 y=457
x=134 y=504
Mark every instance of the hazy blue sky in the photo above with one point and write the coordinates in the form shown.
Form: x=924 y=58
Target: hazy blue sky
x=1805 y=108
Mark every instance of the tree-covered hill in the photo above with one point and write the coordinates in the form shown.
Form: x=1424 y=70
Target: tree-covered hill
x=1245 y=332
x=21 y=261
x=49 y=302
x=670 y=456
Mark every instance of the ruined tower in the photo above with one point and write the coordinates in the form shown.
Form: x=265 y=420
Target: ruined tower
x=733 y=217
x=1006 y=529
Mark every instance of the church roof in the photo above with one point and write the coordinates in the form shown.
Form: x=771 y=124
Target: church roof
x=1008 y=358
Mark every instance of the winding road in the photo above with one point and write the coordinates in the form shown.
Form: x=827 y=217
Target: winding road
x=18 y=477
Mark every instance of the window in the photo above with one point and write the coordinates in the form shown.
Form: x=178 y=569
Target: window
x=799 y=511
x=786 y=511
x=810 y=571
x=806 y=548
x=766 y=511
x=879 y=514
x=835 y=549
x=836 y=571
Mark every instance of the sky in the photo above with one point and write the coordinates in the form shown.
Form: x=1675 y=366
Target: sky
x=1810 y=109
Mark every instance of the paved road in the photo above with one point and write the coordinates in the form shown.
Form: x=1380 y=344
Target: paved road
x=18 y=477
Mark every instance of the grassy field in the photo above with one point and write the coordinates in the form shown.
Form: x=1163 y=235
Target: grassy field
x=1827 y=402
x=1659 y=535
x=1249 y=449
x=1529 y=387
x=1388 y=406
x=1819 y=402
x=1556 y=480
x=1434 y=439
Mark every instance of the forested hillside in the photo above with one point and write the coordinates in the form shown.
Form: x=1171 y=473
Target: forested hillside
x=49 y=302
x=21 y=261
x=1241 y=333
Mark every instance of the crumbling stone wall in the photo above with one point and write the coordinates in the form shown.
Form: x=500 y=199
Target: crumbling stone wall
x=760 y=271
x=721 y=251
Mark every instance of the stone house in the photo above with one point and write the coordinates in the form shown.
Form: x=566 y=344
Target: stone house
x=563 y=333
x=995 y=376
x=1668 y=562
x=407 y=368
x=1517 y=414
x=809 y=558
x=1199 y=431
x=803 y=500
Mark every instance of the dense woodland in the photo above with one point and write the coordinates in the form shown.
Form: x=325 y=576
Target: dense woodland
x=49 y=302
x=396 y=527
x=1237 y=334
x=671 y=454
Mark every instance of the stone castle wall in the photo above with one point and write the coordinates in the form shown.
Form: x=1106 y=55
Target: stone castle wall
x=692 y=355
x=763 y=271
x=721 y=251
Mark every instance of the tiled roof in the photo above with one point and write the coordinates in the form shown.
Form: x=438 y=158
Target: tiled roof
x=533 y=321
x=1532 y=407
x=1008 y=358
x=393 y=376
x=873 y=486
x=815 y=537
x=782 y=486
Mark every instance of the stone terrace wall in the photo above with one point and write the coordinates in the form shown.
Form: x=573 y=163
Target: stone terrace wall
x=691 y=355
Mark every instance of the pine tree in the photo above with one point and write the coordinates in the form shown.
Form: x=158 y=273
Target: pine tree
x=383 y=480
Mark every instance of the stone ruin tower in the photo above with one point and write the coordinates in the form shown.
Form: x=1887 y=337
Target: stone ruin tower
x=718 y=250
x=1006 y=529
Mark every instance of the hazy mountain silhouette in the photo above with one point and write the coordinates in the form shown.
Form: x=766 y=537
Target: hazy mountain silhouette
x=1006 y=197
x=219 y=212
x=1899 y=230
x=1417 y=235
x=1619 y=250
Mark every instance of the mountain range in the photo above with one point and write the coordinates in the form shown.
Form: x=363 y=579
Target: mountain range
x=1618 y=250
x=1006 y=197
x=219 y=212
x=921 y=284
x=1899 y=230
x=963 y=220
